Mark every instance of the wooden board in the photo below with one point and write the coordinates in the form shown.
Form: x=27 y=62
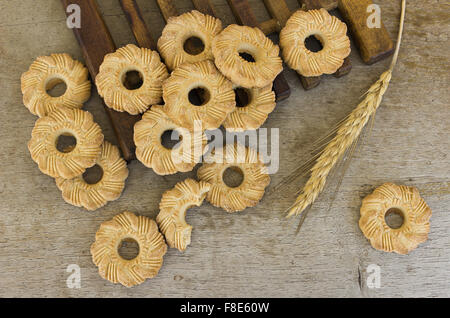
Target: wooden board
x=374 y=43
x=137 y=24
x=279 y=10
x=317 y=4
x=254 y=253
x=95 y=42
x=205 y=6
x=167 y=9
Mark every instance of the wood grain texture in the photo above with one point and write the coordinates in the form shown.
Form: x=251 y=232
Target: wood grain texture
x=254 y=253
x=137 y=24
x=374 y=44
x=317 y=4
x=279 y=10
x=95 y=41
x=167 y=8
x=205 y=7
x=270 y=26
x=244 y=16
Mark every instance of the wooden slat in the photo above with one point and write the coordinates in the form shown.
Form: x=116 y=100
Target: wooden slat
x=270 y=26
x=344 y=69
x=137 y=24
x=244 y=16
x=374 y=43
x=317 y=4
x=279 y=10
x=167 y=9
x=95 y=42
x=205 y=7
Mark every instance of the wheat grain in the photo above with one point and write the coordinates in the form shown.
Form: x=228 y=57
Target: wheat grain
x=346 y=135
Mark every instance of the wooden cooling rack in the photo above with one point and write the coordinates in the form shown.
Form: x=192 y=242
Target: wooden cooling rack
x=95 y=41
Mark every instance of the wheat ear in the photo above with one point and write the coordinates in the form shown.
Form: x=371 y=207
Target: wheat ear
x=347 y=134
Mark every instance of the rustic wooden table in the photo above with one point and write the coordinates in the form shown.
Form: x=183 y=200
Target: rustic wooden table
x=256 y=252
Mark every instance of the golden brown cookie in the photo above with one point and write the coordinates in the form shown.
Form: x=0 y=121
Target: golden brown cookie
x=91 y=196
x=115 y=72
x=203 y=78
x=329 y=30
x=402 y=200
x=246 y=161
x=48 y=71
x=71 y=162
x=179 y=30
x=152 y=153
x=173 y=206
x=123 y=227
x=261 y=102
x=236 y=42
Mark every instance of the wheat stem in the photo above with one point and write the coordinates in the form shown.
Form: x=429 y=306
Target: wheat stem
x=347 y=133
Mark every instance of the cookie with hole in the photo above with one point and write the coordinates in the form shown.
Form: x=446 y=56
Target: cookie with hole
x=215 y=94
x=73 y=160
x=44 y=74
x=234 y=196
x=152 y=150
x=329 y=30
x=187 y=38
x=108 y=185
x=117 y=269
x=257 y=104
x=406 y=203
x=172 y=211
x=130 y=79
x=246 y=56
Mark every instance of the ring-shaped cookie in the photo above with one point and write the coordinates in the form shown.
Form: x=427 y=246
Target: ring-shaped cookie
x=173 y=206
x=48 y=71
x=403 y=200
x=229 y=49
x=123 y=227
x=250 y=165
x=80 y=193
x=217 y=102
x=261 y=102
x=153 y=154
x=65 y=122
x=179 y=29
x=329 y=30
x=111 y=79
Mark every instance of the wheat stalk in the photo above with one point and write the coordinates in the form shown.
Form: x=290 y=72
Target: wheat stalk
x=347 y=134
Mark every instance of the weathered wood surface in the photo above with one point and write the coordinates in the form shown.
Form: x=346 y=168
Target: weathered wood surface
x=95 y=41
x=137 y=24
x=374 y=43
x=205 y=6
x=255 y=252
x=317 y=4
